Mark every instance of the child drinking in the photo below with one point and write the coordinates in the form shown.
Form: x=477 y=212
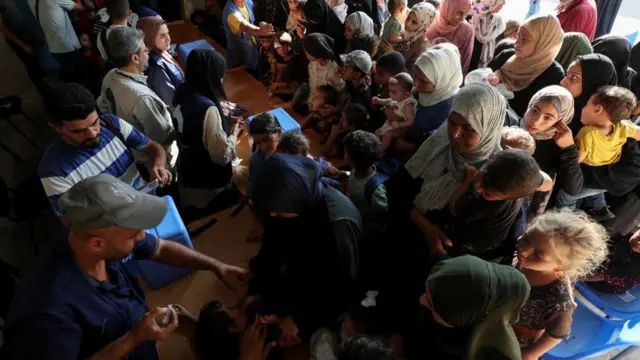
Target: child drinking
x=557 y=248
x=392 y=31
x=356 y=72
x=365 y=187
x=600 y=142
x=324 y=111
x=354 y=117
x=403 y=104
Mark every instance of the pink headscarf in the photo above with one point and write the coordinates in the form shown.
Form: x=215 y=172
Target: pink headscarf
x=461 y=35
x=150 y=26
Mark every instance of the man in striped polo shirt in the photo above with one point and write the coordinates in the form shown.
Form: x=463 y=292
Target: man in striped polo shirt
x=87 y=148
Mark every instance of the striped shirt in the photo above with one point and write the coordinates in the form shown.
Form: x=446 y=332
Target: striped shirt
x=65 y=165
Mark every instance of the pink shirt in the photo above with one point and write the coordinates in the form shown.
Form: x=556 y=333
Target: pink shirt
x=580 y=16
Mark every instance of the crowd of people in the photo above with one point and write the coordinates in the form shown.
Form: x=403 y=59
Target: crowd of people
x=441 y=220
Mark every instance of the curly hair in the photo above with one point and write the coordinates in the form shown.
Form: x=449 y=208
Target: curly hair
x=579 y=244
x=515 y=137
x=69 y=102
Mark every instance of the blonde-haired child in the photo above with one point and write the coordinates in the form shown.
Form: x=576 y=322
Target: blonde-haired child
x=515 y=137
x=558 y=247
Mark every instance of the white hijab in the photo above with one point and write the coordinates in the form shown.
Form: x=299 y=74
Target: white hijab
x=340 y=8
x=441 y=64
x=443 y=169
x=359 y=21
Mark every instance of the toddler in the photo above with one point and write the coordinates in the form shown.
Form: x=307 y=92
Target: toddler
x=289 y=69
x=366 y=42
x=324 y=110
x=354 y=117
x=366 y=186
x=392 y=30
x=557 y=248
x=294 y=143
x=88 y=51
x=515 y=137
x=404 y=105
x=487 y=76
x=356 y=72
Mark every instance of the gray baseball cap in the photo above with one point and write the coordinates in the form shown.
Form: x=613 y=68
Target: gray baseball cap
x=358 y=58
x=103 y=201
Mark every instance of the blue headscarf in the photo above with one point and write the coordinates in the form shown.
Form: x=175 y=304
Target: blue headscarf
x=287 y=184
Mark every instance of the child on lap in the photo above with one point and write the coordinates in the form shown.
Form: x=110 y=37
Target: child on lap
x=404 y=105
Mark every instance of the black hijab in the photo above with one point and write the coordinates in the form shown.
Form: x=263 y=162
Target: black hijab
x=320 y=18
x=597 y=71
x=634 y=60
x=618 y=49
x=320 y=46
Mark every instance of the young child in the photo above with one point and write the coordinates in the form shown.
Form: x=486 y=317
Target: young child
x=557 y=248
x=404 y=105
x=324 y=111
x=356 y=72
x=392 y=30
x=354 y=117
x=365 y=187
x=265 y=131
x=621 y=271
x=289 y=69
x=366 y=42
x=606 y=130
x=88 y=50
x=515 y=137
x=294 y=143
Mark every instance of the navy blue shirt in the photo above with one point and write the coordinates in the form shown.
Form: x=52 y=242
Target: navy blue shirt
x=60 y=312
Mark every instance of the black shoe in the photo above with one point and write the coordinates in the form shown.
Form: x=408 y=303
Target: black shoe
x=601 y=214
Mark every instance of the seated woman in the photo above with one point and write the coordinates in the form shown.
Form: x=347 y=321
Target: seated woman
x=574 y=44
x=319 y=17
x=451 y=25
x=415 y=41
x=579 y=16
x=209 y=137
x=239 y=29
x=369 y=7
x=164 y=75
x=472 y=305
x=357 y=22
x=306 y=283
x=622 y=272
x=488 y=25
x=618 y=50
x=531 y=66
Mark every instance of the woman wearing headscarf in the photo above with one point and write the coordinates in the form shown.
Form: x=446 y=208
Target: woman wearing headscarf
x=308 y=259
x=634 y=59
x=579 y=16
x=357 y=22
x=450 y=24
x=618 y=50
x=531 y=66
x=573 y=45
x=319 y=17
x=164 y=75
x=415 y=42
x=472 y=305
x=488 y=25
x=369 y=7
x=209 y=137
x=550 y=111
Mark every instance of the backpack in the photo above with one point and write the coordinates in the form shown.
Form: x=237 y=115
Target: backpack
x=372 y=184
x=105 y=45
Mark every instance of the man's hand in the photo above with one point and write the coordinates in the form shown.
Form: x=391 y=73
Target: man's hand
x=288 y=328
x=563 y=136
x=252 y=347
x=147 y=328
x=161 y=174
x=229 y=274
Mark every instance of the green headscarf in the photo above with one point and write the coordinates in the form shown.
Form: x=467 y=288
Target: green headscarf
x=483 y=297
x=574 y=44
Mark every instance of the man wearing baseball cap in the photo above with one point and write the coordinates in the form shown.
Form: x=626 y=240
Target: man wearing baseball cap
x=83 y=299
x=356 y=72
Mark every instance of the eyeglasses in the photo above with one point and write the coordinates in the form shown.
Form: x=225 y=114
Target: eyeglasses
x=143 y=51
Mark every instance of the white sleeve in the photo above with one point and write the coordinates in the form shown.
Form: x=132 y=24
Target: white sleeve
x=221 y=148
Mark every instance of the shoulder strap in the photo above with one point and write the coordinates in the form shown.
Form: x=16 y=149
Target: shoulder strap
x=107 y=121
x=372 y=184
x=105 y=43
x=38 y=10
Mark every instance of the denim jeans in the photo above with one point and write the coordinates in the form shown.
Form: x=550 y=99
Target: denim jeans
x=534 y=8
x=593 y=198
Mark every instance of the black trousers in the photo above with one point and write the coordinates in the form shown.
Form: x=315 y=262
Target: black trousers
x=31 y=64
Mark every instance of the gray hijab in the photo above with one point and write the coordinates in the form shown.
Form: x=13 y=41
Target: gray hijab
x=443 y=169
x=561 y=99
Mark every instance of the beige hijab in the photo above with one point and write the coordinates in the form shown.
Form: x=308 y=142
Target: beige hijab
x=547 y=34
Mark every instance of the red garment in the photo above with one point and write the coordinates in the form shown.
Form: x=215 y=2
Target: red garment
x=579 y=16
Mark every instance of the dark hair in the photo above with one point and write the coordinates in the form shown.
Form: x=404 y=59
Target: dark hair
x=392 y=62
x=68 y=102
x=264 y=124
x=294 y=143
x=118 y=10
x=617 y=101
x=512 y=172
x=365 y=42
x=331 y=95
x=504 y=44
x=212 y=338
x=405 y=80
x=363 y=148
x=365 y=348
x=395 y=5
x=357 y=115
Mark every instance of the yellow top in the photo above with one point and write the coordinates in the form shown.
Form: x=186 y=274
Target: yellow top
x=233 y=20
x=600 y=150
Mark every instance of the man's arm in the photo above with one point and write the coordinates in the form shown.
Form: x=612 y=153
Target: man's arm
x=154 y=119
x=237 y=24
x=11 y=36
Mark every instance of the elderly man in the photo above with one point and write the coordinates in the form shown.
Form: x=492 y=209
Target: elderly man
x=126 y=94
x=83 y=299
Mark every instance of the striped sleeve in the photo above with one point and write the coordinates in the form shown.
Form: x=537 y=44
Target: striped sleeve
x=133 y=137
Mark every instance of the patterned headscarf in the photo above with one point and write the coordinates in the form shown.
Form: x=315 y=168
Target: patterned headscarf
x=425 y=14
x=487 y=27
x=360 y=22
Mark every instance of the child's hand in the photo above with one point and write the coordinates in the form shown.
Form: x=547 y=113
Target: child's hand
x=493 y=79
x=375 y=100
x=394 y=124
x=563 y=136
x=470 y=175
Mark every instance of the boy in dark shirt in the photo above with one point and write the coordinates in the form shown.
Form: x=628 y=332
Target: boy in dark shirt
x=356 y=72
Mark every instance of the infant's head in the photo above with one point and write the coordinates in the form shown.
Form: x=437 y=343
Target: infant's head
x=514 y=137
x=400 y=86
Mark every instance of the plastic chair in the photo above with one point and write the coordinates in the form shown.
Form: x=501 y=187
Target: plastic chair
x=633 y=37
x=11 y=106
x=155 y=274
x=619 y=306
x=287 y=123
x=593 y=335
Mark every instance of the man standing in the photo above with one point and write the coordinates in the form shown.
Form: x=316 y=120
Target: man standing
x=83 y=299
x=126 y=94
x=88 y=147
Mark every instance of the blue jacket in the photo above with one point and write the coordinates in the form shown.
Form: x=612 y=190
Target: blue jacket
x=242 y=48
x=164 y=78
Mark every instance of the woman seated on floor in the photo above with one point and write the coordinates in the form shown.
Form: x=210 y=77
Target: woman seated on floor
x=209 y=136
